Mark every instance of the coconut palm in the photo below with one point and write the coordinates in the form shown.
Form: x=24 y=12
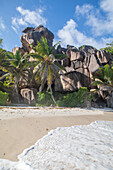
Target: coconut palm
x=16 y=67
x=46 y=69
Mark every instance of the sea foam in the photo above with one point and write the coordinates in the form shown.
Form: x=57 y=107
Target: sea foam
x=86 y=147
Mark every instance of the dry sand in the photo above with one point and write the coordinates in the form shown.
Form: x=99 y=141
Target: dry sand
x=20 y=131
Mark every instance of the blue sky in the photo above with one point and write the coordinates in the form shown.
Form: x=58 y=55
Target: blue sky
x=74 y=22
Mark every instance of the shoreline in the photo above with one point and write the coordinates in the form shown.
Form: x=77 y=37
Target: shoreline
x=19 y=112
x=22 y=128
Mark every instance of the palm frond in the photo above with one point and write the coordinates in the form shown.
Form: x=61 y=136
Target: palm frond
x=53 y=48
x=4 y=76
x=60 y=56
x=35 y=56
x=60 y=67
x=42 y=47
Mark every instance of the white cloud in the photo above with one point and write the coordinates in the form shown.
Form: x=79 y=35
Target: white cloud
x=66 y=33
x=28 y=17
x=69 y=34
x=99 y=24
x=84 y=10
x=14 y=29
x=107 y=6
x=2 y=25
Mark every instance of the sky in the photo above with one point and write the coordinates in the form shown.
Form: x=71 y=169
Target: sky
x=73 y=22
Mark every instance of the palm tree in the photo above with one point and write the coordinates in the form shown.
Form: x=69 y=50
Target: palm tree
x=46 y=69
x=17 y=69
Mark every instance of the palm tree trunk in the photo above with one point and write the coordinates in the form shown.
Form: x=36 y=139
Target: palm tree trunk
x=52 y=95
x=17 y=97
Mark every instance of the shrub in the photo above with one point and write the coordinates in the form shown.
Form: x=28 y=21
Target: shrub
x=3 y=98
x=109 y=48
x=76 y=99
x=104 y=76
x=44 y=99
x=81 y=47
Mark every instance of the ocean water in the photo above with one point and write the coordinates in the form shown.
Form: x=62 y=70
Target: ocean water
x=88 y=147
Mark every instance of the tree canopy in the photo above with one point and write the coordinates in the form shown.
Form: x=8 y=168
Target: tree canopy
x=109 y=48
x=46 y=69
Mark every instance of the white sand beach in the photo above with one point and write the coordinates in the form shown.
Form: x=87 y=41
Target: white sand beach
x=21 y=128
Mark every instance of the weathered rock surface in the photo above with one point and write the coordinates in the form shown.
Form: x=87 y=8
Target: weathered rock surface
x=61 y=50
x=65 y=62
x=22 y=51
x=28 y=95
x=110 y=100
x=31 y=36
x=82 y=64
x=77 y=55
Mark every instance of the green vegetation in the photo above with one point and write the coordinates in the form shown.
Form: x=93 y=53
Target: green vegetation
x=75 y=99
x=3 y=98
x=81 y=47
x=44 y=99
x=109 y=48
x=16 y=67
x=60 y=56
x=46 y=70
x=1 y=41
x=104 y=76
x=3 y=55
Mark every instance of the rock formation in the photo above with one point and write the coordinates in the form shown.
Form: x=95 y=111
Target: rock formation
x=80 y=64
x=31 y=36
x=28 y=95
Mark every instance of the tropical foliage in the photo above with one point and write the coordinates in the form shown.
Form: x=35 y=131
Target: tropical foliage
x=44 y=98
x=16 y=68
x=104 y=76
x=3 y=98
x=75 y=99
x=46 y=70
x=109 y=48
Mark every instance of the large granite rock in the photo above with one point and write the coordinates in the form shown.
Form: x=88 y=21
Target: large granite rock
x=68 y=83
x=61 y=50
x=28 y=96
x=80 y=66
x=88 y=49
x=110 y=100
x=77 y=55
x=106 y=92
x=93 y=64
x=103 y=56
x=45 y=33
x=72 y=81
x=31 y=36
x=65 y=62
